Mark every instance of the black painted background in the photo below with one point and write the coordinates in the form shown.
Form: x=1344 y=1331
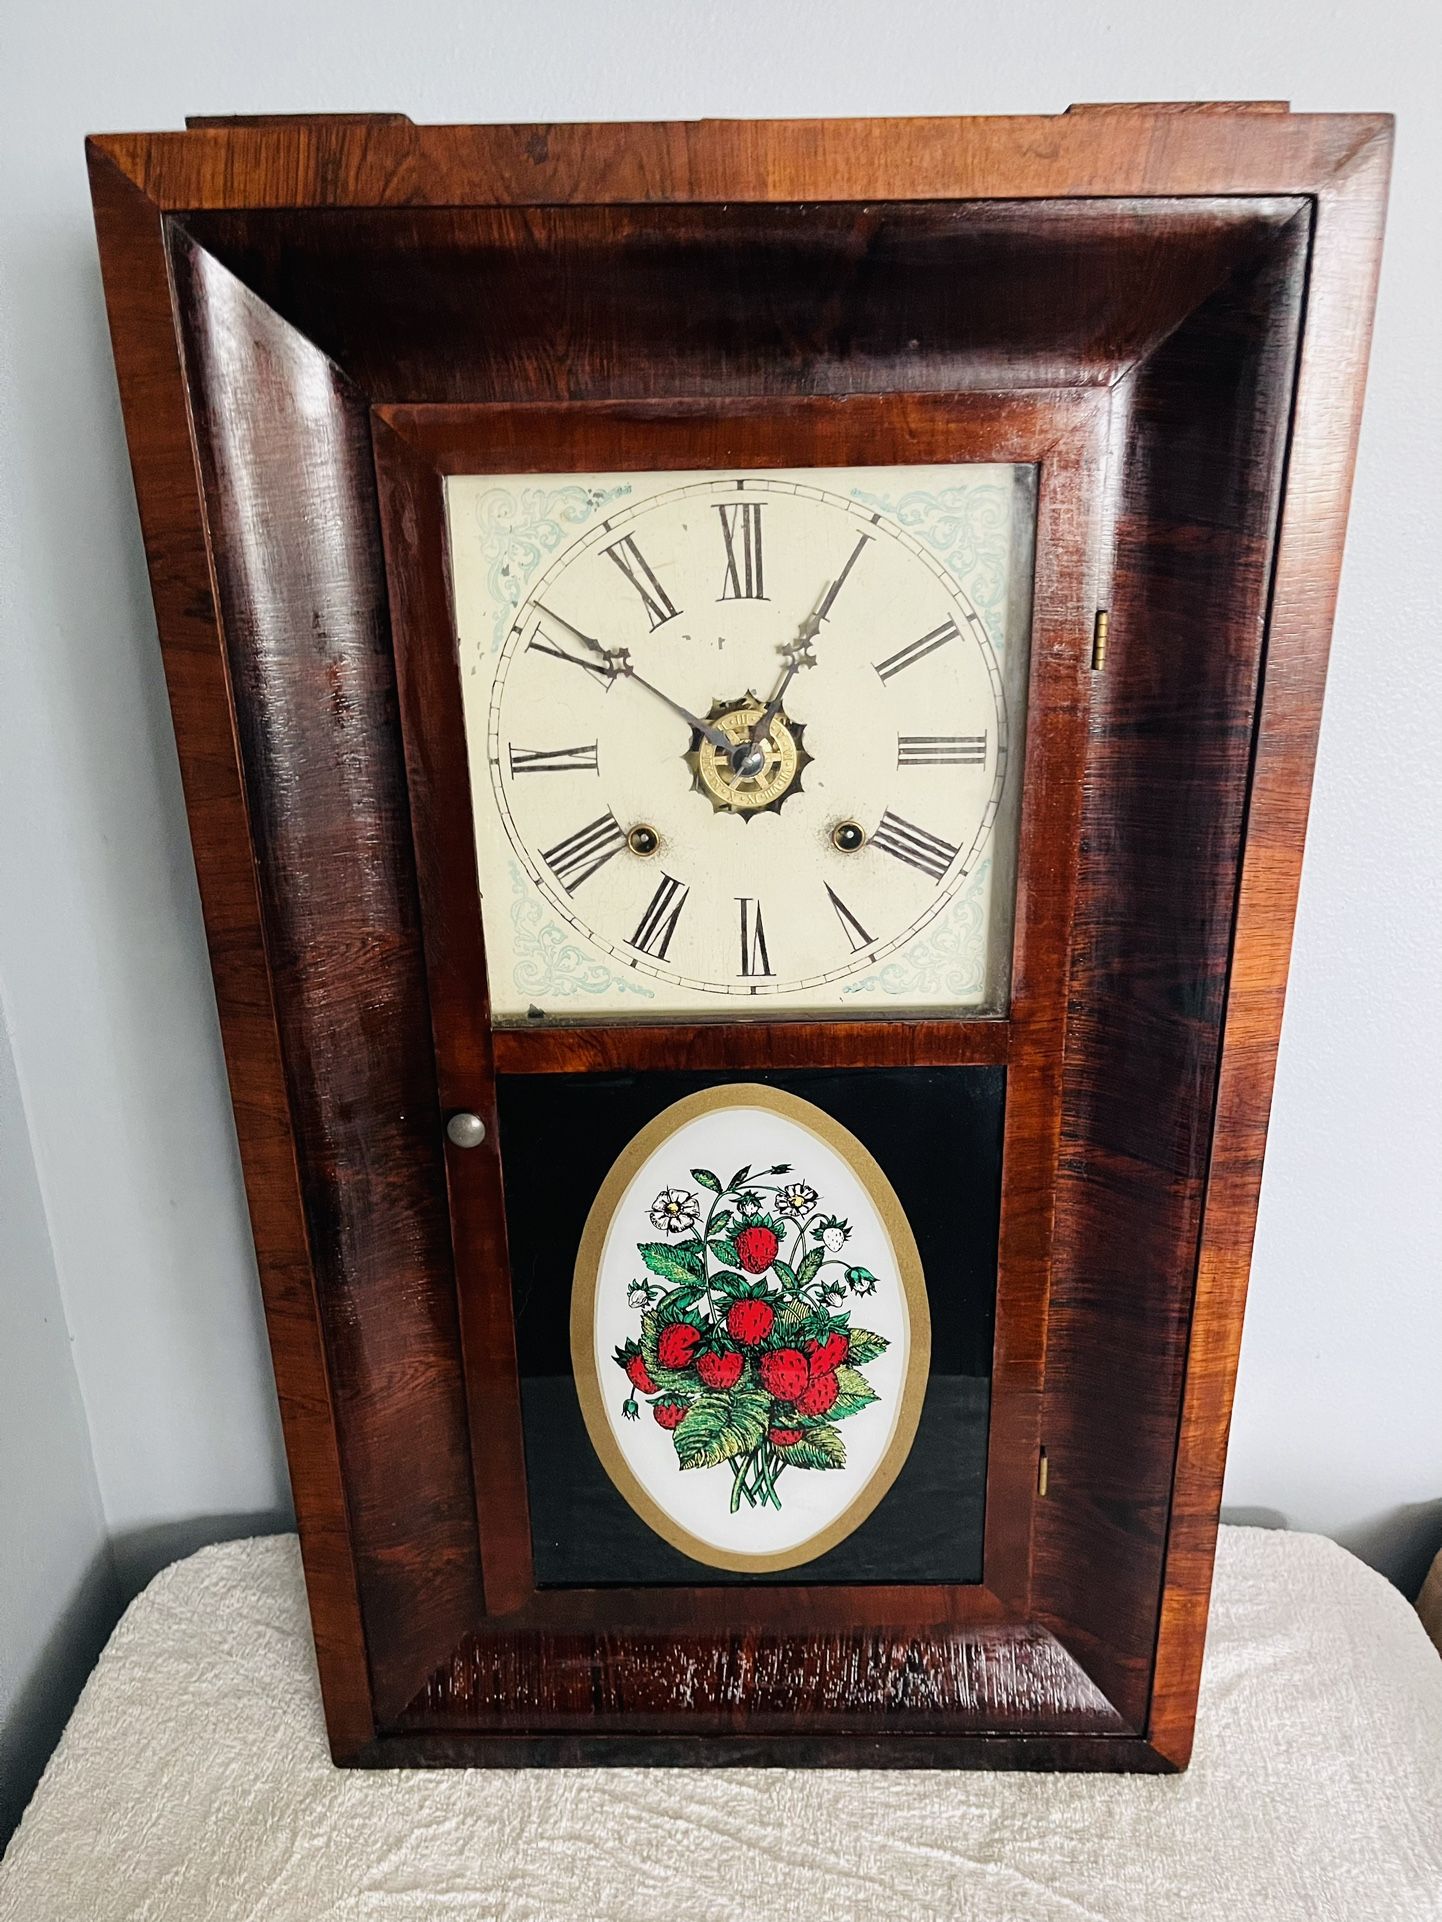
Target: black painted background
x=937 y=1134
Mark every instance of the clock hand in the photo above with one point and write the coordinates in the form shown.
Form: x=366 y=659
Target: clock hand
x=798 y=654
x=618 y=660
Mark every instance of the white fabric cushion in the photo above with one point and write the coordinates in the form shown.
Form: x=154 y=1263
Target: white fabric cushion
x=193 y=1785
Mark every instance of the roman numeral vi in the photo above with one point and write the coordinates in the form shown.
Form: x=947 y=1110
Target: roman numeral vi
x=754 y=958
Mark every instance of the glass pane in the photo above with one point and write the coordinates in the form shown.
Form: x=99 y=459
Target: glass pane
x=936 y=1135
x=745 y=743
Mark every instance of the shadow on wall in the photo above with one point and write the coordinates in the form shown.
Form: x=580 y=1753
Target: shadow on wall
x=46 y=1699
x=1400 y=1543
x=141 y=1553
x=41 y=1707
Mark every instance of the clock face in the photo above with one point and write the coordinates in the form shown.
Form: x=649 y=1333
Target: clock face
x=743 y=741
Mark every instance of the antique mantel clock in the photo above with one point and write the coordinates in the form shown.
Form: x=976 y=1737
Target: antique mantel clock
x=746 y=695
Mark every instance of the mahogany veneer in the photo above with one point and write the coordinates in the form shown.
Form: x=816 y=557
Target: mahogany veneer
x=1167 y=310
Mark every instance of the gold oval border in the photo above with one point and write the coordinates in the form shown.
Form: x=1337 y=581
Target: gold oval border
x=869 y=1173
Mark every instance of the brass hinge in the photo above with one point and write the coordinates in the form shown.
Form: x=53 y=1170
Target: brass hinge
x=1041 y=1473
x=1099 y=640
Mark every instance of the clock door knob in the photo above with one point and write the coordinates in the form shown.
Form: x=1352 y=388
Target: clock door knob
x=465 y=1130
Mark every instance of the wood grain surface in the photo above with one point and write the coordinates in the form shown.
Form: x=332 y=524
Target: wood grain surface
x=313 y=321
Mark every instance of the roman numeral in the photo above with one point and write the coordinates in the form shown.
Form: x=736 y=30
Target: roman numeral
x=554 y=760
x=850 y=926
x=605 y=675
x=915 y=651
x=658 y=923
x=741 y=531
x=633 y=564
x=840 y=581
x=577 y=858
x=754 y=958
x=941 y=750
x=913 y=845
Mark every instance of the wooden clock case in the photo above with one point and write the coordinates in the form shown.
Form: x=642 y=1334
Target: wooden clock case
x=1167 y=311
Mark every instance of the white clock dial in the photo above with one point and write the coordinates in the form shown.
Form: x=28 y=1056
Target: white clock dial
x=744 y=741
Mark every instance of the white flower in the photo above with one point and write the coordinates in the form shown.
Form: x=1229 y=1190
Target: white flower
x=795 y=1199
x=675 y=1210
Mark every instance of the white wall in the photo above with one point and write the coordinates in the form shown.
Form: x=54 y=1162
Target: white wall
x=100 y=942
x=58 y=1591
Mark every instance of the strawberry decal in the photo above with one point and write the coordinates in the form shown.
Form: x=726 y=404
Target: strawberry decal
x=745 y=1350
x=676 y=1345
x=819 y=1396
x=825 y=1357
x=720 y=1367
x=784 y=1373
x=750 y=1320
x=757 y=1245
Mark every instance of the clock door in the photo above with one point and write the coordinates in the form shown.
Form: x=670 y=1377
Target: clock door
x=745 y=802
x=744 y=744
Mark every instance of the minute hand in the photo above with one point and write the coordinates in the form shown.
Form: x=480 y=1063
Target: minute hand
x=619 y=662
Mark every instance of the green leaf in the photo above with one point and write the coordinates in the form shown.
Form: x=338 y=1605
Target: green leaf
x=793 y=1312
x=811 y=1267
x=680 y=1299
x=865 y=1346
x=725 y=1251
x=739 y=1178
x=674 y=1261
x=720 y=1426
x=706 y=1179
x=854 y=1393
x=820 y=1447
x=785 y=1274
x=720 y=1222
x=727 y=1284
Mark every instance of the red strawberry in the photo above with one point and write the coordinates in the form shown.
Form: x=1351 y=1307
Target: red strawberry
x=670 y=1412
x=756 y=1246
x=676 y=1345
x=784 y=1437
x=720 y=1368
x=818 y=1397
x=827 y=1356
x=784 y=1374
x=633 y=1361
x=636 y=1369
x=749 y=1320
